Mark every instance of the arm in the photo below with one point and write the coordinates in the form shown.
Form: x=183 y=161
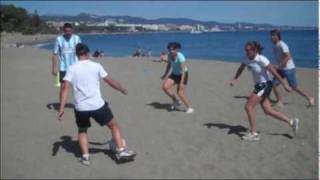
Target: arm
x=285 y=59
x=54 y=67
x=183 y=74
x=273 y=71
x=167 y=71
x=63 y=98
x=238 y=73
x=115 y=85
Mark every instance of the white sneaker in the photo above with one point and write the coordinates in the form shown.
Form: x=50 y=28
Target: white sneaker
x=125 y=154
x=295 y=125
x=85 y=161
x=251 y=136
x=113 y=145
x=189 y=111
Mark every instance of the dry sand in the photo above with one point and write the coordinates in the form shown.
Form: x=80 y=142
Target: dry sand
x=205 y=144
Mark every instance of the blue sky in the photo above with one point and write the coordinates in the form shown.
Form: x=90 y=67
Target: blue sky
x=296 y=13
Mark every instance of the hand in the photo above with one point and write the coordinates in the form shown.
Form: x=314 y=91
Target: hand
x=233 y=82
x=60 y=114
x=124 y=91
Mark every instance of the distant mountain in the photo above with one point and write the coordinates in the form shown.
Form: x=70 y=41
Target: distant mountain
x=138 y=20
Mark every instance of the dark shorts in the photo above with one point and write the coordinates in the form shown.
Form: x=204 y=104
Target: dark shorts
x=102 y=116
x=61 y=76
x=290 y=75
x=177 y=78
x=263 y=89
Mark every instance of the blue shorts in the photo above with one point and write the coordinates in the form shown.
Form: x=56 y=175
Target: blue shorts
x=290 y=75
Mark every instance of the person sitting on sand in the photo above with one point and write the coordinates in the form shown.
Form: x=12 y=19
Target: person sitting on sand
x=84 y=77
x=286 y=69
x=64 y=51
x=179 y=76
x=163 y=58
x=259 y=65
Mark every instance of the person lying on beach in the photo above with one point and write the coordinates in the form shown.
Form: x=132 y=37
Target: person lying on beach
x=259 y=65
x=179 y=76
x=64 y=52
x=84 y=77
x=286 y=68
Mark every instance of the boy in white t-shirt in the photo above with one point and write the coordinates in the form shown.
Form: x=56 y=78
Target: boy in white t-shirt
x=84 y=76
x=286 y=68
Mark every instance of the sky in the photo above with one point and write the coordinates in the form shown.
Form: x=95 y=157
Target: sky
x=296 y=13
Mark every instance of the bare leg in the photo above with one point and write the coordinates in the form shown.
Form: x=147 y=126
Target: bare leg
x=167 y=85
x=84 y=142
x=116 y=134
x=180 y=92
x=276 y=91
x=267 y=108
x=304 y=94
x=253 y=100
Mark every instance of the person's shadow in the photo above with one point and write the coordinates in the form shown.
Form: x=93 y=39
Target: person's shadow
x=163 y=106
x=236 y=130
x=55 y=106
x=72 y=146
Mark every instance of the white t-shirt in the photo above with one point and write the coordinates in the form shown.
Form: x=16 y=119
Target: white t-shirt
x=279 y=51
x=258 y=68
x=85 y=78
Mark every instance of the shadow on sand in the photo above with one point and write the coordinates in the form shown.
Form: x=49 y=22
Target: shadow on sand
x=72 y=146
x=55 y=106
x=163 y=106
x=233 y=130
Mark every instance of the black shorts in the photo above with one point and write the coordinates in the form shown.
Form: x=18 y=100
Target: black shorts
x=177 y=78
x=263 y=89
x=61 y=76
x=102 y=116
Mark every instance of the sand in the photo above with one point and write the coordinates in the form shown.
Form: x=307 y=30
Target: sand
x=206 y=144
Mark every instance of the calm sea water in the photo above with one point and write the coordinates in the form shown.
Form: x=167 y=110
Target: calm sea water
x=223 y=46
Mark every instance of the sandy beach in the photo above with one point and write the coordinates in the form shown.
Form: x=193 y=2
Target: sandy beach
x=205 y=144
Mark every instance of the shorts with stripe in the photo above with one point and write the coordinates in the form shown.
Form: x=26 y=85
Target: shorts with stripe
x=263 y=89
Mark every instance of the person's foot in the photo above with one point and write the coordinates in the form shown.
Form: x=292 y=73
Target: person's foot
x=85 y=161
x=113 y=145
x=175 y=104
x=295 y=125
x=125 y=154
x=279 y=104
x=189 y=111
x=311 y=102
x=251 y=136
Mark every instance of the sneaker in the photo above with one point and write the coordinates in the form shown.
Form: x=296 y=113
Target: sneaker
x=84 y=161
x=295 y=125
x=251 y=136
x=113 y=146
x=311 y=102
x=189 y=111
x=175 y=105
x=125 y=155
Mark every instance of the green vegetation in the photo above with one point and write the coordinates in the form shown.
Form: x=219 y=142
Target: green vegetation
x=15 y=19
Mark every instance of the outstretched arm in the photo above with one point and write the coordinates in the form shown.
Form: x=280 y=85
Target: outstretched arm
x=273 y=71
x=238 y=73
x=115 y=85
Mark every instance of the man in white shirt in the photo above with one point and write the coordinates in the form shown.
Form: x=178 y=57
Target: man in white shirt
x=286 y=68
x=84 y=76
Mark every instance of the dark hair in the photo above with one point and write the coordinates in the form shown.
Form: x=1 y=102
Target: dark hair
x=276 y=32
x=67 y=25
x=82 y=49
x=256 y=45
x=174 y=45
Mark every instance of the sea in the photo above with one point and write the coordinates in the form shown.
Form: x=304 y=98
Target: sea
x=211 y=46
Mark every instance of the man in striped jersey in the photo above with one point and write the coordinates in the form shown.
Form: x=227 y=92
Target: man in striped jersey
x=64 y=52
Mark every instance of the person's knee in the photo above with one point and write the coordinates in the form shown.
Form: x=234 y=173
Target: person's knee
x=248 y=107
x=165 y=87
x=267 y=111
x=180 y=93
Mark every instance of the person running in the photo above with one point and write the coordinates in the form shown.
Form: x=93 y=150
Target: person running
x=259 y=65
x=64 y=52
x=179 y=76
x=286 y=68
x=84 y=77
